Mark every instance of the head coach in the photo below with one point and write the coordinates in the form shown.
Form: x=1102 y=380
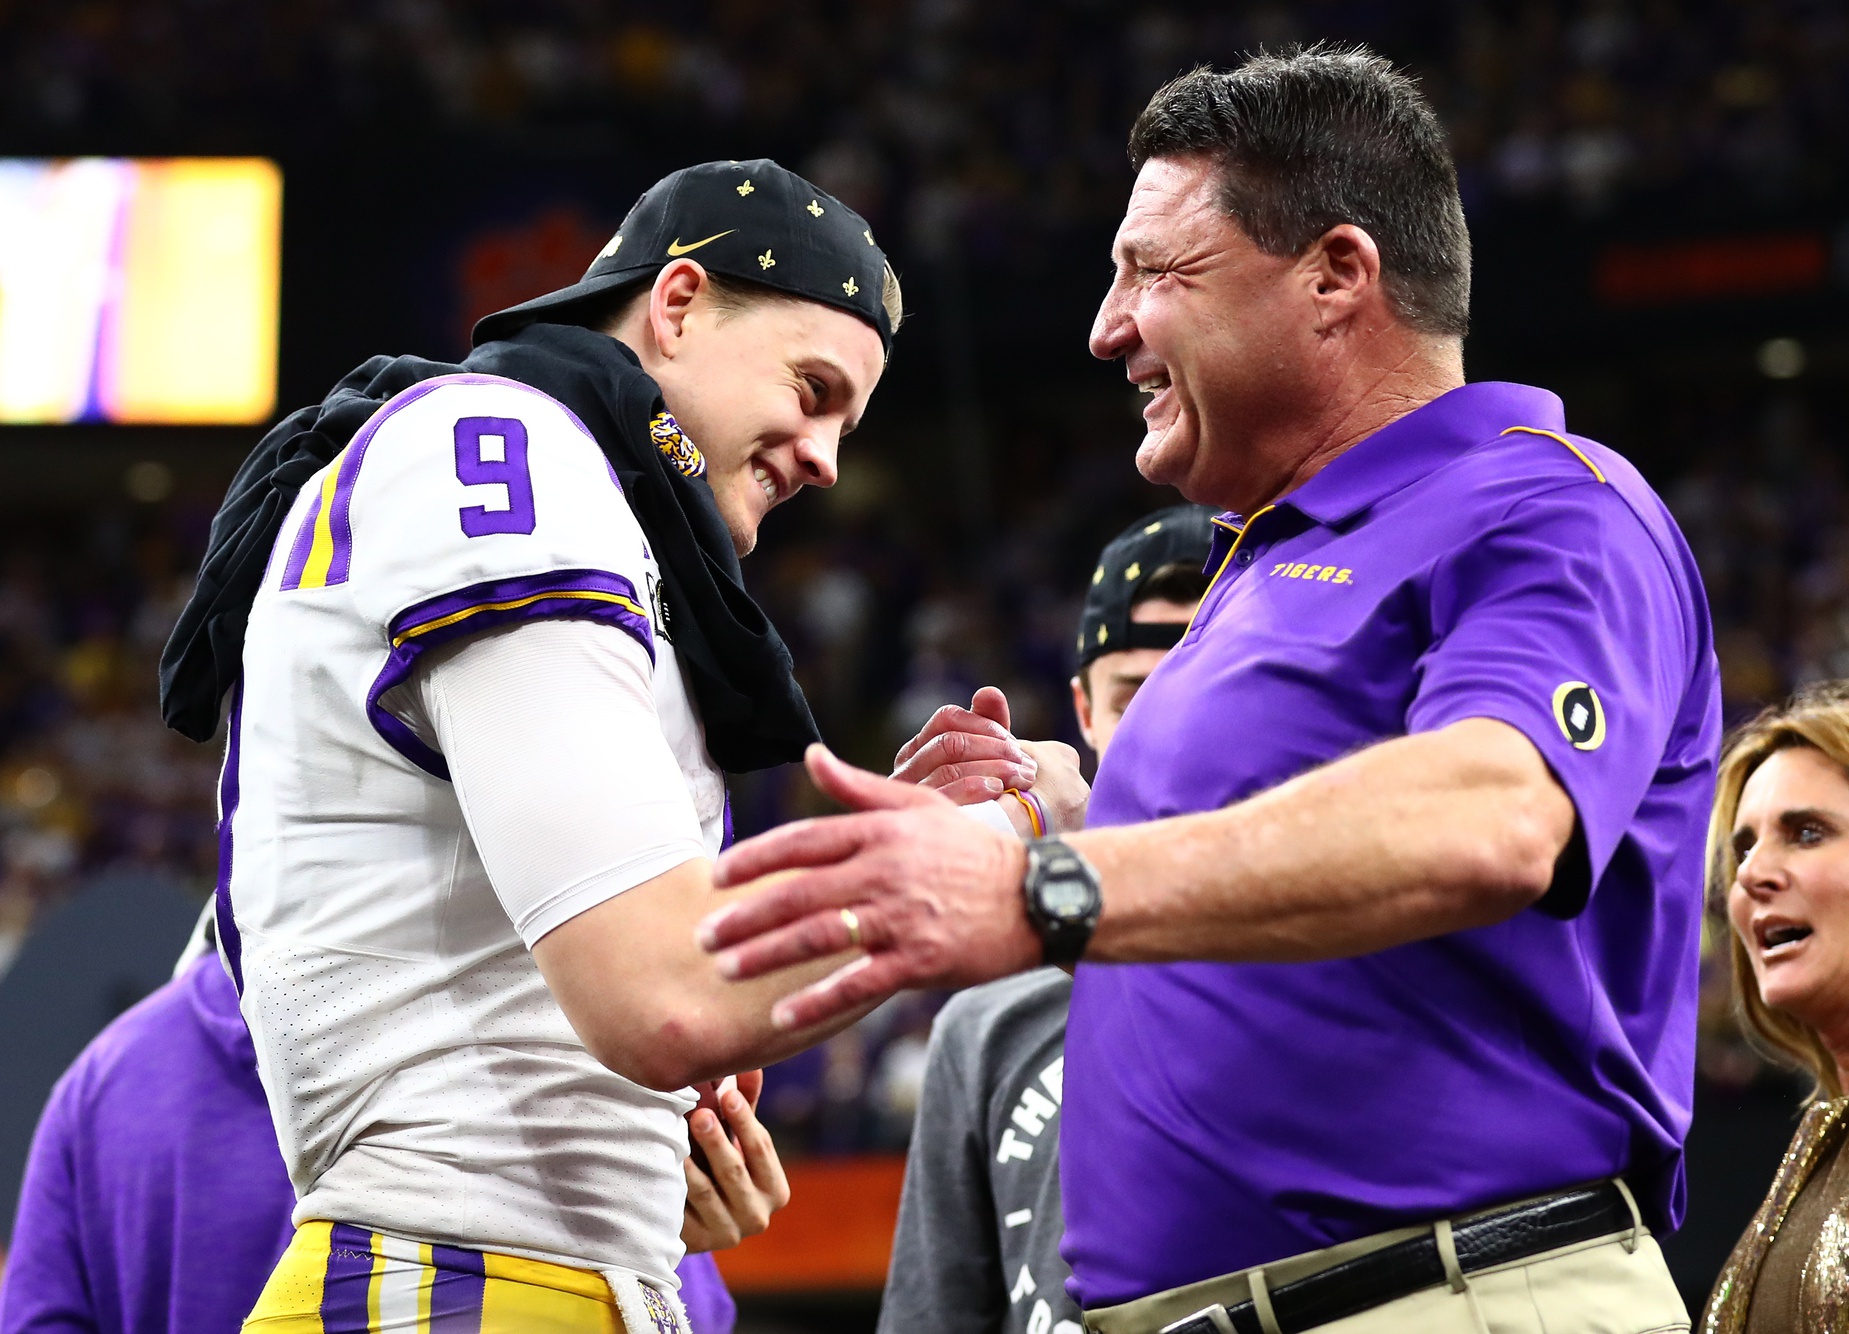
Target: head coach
x=1389 y=900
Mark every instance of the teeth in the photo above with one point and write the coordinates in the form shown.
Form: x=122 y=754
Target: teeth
x=766 y=481
x=1155 y=384
x=1784 y=935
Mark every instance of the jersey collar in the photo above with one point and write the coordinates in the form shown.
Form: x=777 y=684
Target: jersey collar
x=1419 y=444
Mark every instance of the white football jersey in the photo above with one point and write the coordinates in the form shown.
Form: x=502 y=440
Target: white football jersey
x=422 y=1079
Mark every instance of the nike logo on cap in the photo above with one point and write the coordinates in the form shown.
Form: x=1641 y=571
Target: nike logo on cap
x=676 y=249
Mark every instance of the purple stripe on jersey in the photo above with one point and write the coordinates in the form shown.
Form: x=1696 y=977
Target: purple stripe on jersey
x=227 y=808
x=347 y=1281
x=340 y=520
x=340 y=517
x=456 y=1293
x=726 y=836
x=303 y=544
x=586 y=595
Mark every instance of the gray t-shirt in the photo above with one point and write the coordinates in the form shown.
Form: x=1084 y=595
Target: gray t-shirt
x=977 y=1247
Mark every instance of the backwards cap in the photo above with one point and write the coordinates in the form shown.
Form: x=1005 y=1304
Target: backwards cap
x=753 y=220
x=1180 y=534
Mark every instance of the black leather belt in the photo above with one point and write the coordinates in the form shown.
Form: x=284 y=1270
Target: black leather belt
x=1483 y=1241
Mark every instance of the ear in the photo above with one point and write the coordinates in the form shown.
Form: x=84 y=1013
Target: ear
x=676 y=289
x=1342 y=267
x=1081 y=705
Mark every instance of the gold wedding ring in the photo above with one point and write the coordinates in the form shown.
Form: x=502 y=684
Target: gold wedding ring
x=852 y=923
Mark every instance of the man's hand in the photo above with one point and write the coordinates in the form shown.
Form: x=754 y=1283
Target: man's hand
x=967 y=754
x=971 y=755
x=741 y=1183
x=934 y=897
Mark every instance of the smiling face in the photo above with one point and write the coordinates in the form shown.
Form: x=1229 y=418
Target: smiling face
x=765 y=389
x=1789 y=901
x=1217 y=332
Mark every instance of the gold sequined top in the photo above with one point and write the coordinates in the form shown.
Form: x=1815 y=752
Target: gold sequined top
x=1819 y=1294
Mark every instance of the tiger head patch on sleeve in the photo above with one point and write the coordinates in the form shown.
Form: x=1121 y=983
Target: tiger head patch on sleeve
x=680 y=452
x=1580 y=715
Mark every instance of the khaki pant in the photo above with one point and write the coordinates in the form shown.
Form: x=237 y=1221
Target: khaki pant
x=1595 y=1287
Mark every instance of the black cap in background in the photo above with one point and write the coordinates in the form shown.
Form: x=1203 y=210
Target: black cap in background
x=753 y=220
x=1181 y=534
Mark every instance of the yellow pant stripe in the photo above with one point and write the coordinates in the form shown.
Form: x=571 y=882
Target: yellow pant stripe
x=347 y=1280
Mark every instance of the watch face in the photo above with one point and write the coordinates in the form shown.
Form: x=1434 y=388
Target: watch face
x=1065 y=899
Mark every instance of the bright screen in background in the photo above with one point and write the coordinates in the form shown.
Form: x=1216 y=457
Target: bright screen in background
x=139 y=290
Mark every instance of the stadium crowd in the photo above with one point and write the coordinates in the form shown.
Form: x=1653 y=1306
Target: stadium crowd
x=1000 y=118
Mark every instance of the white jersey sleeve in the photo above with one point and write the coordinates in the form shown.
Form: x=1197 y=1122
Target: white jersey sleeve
x=595 y=805
x=468 y=503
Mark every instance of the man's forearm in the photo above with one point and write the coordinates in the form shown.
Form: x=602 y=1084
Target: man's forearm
x=719 y=1027
x=1408 y=839
x=650 y=1004
x=1411 y=838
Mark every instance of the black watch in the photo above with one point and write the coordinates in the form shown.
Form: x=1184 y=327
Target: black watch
x=1063 y=901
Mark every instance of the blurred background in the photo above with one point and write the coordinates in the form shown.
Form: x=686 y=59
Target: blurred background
x=1658 y=191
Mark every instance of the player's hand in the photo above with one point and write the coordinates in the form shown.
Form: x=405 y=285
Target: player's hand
x=1064 y=794
x=968 y=754
x=935 y=897
x=741 y=1183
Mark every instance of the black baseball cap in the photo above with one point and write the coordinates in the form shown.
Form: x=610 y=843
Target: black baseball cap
x=1181 y=534
x=753 y=220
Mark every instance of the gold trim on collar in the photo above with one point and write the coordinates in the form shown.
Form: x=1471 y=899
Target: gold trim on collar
x=1555 y=435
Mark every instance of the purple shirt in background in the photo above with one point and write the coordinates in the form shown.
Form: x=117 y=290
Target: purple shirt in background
x=155 y=1200
x=1460 y=563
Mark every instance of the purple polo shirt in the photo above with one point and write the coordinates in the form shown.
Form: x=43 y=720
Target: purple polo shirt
x=1467 y=561
x=155 y=1200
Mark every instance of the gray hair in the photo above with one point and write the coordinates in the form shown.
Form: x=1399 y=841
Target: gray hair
x=1320 y=136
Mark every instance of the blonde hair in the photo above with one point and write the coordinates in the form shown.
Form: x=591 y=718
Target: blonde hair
x=1817 y=718
x=892 y=298
x=734 y=295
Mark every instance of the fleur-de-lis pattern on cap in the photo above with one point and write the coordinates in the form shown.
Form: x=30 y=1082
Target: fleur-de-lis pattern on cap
x=745 y=219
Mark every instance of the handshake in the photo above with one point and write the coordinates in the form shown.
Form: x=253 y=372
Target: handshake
x=971 y=755
x=926 y=896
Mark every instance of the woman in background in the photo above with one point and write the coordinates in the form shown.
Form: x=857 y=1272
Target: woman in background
x=1779 y=864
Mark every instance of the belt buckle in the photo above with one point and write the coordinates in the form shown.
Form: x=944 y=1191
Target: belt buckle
x=1208 y=1320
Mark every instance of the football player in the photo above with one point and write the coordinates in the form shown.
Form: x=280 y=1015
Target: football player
x=490 y=655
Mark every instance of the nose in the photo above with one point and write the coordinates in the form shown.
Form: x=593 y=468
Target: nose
x=816 y=452
x=1762 y=870
x=1113 y=331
